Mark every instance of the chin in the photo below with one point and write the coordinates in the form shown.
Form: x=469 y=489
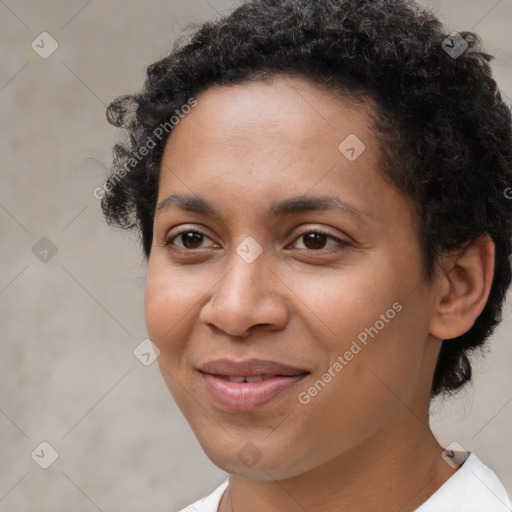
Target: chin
x=250 y=462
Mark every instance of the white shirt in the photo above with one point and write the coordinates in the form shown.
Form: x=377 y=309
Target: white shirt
x=473 y=488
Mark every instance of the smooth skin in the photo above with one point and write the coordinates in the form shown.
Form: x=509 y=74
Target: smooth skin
x=363 y=442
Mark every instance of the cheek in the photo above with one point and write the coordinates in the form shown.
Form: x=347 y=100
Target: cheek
x=169 y=308
x=361 y=393
x=343 y=302
x=373 y=327
x=169 y=301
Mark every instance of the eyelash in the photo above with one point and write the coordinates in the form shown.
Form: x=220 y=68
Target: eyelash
x=341 y=243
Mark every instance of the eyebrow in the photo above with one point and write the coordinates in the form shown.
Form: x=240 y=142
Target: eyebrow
x=291 y=205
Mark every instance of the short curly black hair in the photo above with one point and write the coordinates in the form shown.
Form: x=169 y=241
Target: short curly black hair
x=445 y=131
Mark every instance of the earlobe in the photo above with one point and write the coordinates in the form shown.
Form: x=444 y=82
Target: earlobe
x=465 y=284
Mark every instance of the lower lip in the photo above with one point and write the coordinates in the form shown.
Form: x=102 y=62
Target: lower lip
x=247 y=396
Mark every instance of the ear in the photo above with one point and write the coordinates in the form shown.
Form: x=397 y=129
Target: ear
x=465 y=280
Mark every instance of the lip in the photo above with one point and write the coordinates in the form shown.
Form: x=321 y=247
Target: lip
x=249 y=368
x=248 y=396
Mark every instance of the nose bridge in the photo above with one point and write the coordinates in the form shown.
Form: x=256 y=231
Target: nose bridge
x=247 y=294
x=247 y=277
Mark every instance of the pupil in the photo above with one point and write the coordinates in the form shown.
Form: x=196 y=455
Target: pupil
x=192 y=238
x=315 y=239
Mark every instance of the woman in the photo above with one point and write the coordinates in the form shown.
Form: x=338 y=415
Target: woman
x=320 y=188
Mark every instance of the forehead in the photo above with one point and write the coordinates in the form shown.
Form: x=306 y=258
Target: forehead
x=268 y=126
x=289 y=107
x=254 y=144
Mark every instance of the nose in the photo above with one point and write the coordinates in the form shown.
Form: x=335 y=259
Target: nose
x=248 y=295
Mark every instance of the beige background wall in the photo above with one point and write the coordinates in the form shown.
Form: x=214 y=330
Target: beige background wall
x=68 y=375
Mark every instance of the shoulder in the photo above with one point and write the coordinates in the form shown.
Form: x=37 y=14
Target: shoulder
x=209 y=503
x=473 y=488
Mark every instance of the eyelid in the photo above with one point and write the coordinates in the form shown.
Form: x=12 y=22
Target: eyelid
x=341 y=243
x=185 y=229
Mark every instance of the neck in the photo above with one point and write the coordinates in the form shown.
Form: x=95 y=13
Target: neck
x=399 y=468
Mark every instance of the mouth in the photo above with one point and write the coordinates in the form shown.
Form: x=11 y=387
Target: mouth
x=245 y=386
x=247 y=378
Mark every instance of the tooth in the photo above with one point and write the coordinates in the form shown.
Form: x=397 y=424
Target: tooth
x=259 y=378
x=236 y=379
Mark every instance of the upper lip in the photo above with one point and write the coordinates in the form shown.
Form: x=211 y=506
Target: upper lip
x=249 y=368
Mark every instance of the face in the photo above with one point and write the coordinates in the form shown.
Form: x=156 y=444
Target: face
x=322 y=299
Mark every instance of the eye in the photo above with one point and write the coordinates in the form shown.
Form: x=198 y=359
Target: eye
x=190 y=239
x=315 y=240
